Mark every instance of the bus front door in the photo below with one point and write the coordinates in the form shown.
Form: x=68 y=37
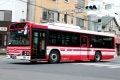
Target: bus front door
x=38 y=44
x=84 y=53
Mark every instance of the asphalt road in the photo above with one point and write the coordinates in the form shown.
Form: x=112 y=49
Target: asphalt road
x=19 y=70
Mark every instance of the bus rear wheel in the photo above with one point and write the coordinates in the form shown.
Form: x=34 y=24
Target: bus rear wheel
x=54 y=57
x=97 y=57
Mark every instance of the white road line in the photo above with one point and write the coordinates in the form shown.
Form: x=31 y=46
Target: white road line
x=112 y=66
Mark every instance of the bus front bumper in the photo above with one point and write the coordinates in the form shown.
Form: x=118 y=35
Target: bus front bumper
x=18 y=57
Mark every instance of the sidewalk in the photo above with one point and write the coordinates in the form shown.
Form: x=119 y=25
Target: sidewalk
x=116 y=60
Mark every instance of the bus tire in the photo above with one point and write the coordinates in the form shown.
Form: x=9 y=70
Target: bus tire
x=97 y=56
x=54 y=57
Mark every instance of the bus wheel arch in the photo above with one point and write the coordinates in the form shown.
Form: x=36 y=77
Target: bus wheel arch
x=98 y=56
x=54 y=56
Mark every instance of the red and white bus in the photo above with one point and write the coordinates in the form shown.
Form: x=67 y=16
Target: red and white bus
x=56 y=42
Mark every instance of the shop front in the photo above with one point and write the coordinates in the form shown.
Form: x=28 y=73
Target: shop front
x=3 y=35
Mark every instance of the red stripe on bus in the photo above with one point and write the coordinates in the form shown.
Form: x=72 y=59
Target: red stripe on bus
x=62 y=49
x=76 y=50
x=69 y=49
x=106 y=50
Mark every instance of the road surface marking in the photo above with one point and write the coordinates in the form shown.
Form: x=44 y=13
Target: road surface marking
x=107 y=65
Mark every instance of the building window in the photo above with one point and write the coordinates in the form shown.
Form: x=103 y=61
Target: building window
x=65 y=18
x=71 y=20
x=53 y=0
x=80 y=22
x=58 y=16
x=45 y=15
x=49 y=15
x=66 y=0
x=5 y=15
x=80 y=5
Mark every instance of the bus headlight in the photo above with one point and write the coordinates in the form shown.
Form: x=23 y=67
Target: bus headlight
x=25 y=53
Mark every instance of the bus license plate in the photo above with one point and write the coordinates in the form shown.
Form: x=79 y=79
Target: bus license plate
x=13 y=57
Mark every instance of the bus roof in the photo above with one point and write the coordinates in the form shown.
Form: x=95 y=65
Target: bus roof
x=73 y=28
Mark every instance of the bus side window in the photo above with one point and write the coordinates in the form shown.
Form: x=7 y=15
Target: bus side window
x=83 y=41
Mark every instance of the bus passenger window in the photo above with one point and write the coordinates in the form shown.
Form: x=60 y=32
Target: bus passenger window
x=83 y=41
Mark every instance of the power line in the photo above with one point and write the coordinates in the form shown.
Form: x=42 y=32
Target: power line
x=56 y=11
x=36 y=5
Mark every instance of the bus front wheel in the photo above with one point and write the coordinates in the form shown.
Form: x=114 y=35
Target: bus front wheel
x=97 y=57
x=54 y=57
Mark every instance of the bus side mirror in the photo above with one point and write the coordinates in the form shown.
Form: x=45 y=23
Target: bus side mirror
x=25 y=30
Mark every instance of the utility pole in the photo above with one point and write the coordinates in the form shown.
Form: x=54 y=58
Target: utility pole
x=28 y=3
x=30 y=10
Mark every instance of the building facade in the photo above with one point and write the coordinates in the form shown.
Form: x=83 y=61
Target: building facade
x=3 y=35
x=64 y=11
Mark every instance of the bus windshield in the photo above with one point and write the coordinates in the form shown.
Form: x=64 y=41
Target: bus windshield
x=19 y=37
